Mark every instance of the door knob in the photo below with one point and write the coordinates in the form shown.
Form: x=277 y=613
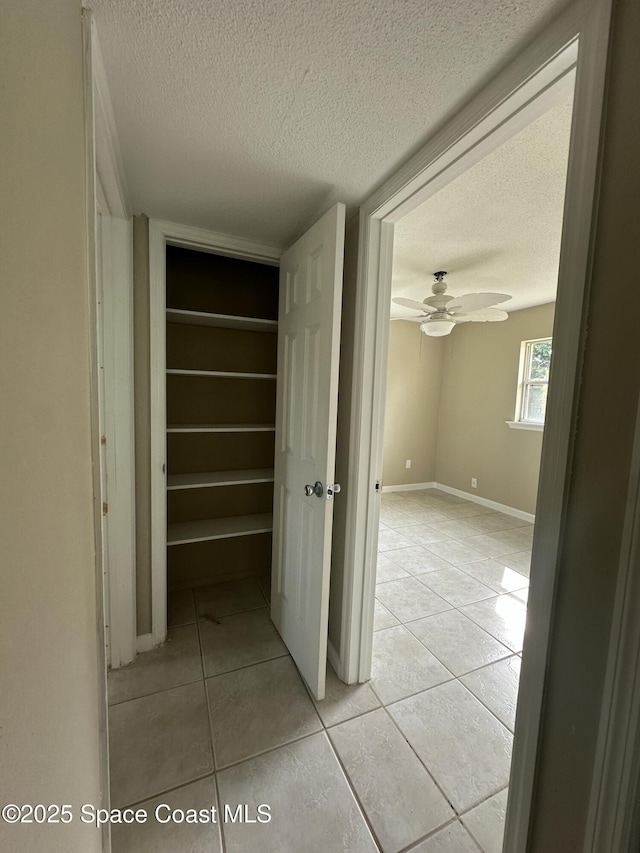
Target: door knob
x=333 y=490
x=316 y=490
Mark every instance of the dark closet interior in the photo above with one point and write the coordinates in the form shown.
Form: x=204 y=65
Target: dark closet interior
x=221 y=355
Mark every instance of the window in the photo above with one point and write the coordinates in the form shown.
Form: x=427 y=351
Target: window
x=533 y=383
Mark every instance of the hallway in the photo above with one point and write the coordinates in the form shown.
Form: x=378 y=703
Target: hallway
x=420 y=756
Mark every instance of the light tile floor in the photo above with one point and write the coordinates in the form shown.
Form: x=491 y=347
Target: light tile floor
x=416 y=760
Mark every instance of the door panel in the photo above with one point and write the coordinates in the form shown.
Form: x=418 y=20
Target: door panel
x=306 y=414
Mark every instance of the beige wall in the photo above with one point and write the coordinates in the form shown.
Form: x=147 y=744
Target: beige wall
x=52 y=683
x=447 y=403
x=414 y=372
x=479 y=383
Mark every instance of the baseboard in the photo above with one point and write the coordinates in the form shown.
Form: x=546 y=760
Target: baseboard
x=409 y=487
x=507 y=510
x=469 y=496
x=144 y=643
x=334 y=659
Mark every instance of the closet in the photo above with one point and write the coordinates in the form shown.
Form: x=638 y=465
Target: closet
x=221 y=350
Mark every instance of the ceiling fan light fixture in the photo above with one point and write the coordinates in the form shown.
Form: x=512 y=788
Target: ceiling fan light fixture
x=437 y=328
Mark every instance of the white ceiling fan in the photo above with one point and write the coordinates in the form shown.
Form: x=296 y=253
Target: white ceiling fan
x=440 y=313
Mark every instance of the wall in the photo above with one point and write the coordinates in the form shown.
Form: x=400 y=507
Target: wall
x=609 y=393
x=52 y=683
x=446 y=408
x=142 y=403
x=479 y=382
x=414 y=373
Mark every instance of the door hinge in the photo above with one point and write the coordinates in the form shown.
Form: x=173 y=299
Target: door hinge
x=105 y=508
x=103 y=439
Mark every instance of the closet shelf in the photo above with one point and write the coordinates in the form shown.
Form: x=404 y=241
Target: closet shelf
x=221 y=427
x=221 y=374
x=222 y=321
x=185 y=532
x=220 y=478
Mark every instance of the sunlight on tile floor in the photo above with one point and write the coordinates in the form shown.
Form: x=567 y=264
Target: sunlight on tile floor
x=415 y=760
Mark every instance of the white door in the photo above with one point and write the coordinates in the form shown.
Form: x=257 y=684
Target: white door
x=306 y=414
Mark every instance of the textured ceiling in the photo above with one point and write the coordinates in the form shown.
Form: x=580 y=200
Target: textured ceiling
x=252 y=116
x=497 y=227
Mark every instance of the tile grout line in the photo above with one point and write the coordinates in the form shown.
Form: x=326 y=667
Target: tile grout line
x=233 y=613
x=204 y=675
x=497 y=592
x=154 y=692
x=248 y=665
x=483 y=800
x=509 y=654
x=438 y=829
x=354 y=793
x=195 y=680
x=156 y=795
x=422 y=764
x=482 y=559
x=454 y=677
x=324 y=727
x=439 y=684
x=206 y=696
x=223 y=840
x=458 y=815
x=267 y=751
x=475 y=669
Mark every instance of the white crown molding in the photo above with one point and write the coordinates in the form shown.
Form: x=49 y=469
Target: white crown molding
x=110 y=174
x=216 y=243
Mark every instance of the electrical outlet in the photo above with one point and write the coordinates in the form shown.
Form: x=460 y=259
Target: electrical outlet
x=407 y=464
x=474 y=483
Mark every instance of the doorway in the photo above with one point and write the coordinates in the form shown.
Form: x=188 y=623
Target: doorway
x=462 y=442
x=535 y=82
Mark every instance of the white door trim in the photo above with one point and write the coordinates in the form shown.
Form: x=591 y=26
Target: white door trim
x=115 y=262
x=614 y=825
x=162 y=234
x=522 y=92
x=92 y=195
x=116 y=258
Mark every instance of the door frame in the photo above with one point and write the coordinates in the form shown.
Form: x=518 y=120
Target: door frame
x=162 y=234
x=575 y=43
x=616 y=781
x=113 y=260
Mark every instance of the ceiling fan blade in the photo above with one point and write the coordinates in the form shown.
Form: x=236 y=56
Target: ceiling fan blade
x=411 y=303
x=410 y=319
x=476 y=301
x=489 y=315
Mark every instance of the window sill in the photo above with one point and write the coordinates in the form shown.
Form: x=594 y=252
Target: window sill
x=525 y=425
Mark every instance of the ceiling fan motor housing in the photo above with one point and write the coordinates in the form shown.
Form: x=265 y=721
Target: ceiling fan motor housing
x=439 y=286
x=442 y=312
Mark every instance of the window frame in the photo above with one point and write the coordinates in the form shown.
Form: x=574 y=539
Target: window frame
x=524 y=382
